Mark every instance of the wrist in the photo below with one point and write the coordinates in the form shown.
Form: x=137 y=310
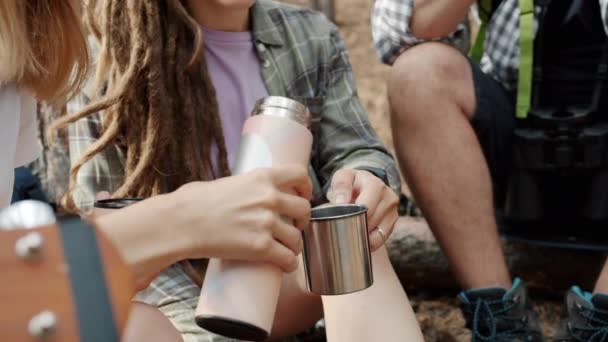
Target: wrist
x=173 y=217
x=143 y=235
x=377 y=172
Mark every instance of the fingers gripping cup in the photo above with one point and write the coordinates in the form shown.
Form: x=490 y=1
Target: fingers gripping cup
x=336 y=253
x=239 y=298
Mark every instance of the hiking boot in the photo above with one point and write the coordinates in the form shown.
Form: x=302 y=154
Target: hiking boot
x=586 y=317
x=494 y=314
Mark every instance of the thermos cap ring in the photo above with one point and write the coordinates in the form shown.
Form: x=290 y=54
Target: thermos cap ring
x=283 y=107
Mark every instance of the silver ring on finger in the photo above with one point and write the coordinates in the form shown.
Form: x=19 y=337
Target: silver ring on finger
x=382 y=234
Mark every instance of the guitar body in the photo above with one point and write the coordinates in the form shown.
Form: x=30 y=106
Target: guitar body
x=29 y=287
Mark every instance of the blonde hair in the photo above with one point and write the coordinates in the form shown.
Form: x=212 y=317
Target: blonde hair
x=42 y=47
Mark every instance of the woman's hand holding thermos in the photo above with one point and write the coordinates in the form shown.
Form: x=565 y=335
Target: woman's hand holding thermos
x=234 y=218
x=239 y=217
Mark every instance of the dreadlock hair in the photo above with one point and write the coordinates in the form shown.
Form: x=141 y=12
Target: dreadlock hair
x=159 y=105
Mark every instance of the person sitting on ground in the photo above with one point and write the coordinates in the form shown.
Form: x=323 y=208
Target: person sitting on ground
x=36 y=64
x=453 y=121
x=177 y=81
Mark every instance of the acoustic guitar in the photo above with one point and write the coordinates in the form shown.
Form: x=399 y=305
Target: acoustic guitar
x=60 y=282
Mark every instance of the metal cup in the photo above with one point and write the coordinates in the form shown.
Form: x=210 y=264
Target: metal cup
x=337 y=257
x=116 y=203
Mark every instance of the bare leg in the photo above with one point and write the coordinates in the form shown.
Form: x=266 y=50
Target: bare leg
x=601 y=286
x=380 y=313
x=147 y=323
x=432 y=99
x=297 y=309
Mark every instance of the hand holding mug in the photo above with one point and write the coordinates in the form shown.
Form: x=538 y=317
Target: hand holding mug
x=364 y=188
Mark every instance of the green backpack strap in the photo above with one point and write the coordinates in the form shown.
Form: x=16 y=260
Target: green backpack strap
x=526 y=57
x=485 y=9
x=526 y=49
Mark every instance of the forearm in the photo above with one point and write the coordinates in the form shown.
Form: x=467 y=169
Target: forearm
x=344 y=122
x=144 y=235
x=438 y=18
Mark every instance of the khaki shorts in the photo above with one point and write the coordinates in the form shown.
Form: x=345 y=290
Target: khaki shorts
x=176 y=296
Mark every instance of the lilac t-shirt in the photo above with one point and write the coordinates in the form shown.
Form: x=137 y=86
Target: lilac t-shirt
x=235 y=71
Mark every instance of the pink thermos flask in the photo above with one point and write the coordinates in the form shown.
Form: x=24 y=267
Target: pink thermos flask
x=239 y=299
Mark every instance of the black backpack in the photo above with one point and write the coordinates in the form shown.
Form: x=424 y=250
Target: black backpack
x=558 y=186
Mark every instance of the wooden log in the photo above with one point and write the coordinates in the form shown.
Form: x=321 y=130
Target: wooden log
x=421 y=265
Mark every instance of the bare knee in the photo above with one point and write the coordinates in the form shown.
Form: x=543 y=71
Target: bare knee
x=147 y=323
x=427 y=76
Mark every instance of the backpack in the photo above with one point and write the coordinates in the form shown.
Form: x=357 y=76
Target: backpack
x=486 y=9
x=527 y=66
x=559 y=172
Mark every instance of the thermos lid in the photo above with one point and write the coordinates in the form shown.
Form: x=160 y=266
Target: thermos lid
x=232 y=328
x=283 y=107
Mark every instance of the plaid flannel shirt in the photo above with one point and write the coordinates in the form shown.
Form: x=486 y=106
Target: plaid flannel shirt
x=53 y=166
x=393 y=35
x=303 y=57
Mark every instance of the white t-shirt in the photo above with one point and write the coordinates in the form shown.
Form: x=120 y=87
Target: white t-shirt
x=18 y=136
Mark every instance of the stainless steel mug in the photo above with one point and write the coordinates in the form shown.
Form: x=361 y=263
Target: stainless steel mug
x=337 y=257
x=239 y=298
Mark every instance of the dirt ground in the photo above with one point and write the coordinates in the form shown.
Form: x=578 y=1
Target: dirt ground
x=438 y=314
